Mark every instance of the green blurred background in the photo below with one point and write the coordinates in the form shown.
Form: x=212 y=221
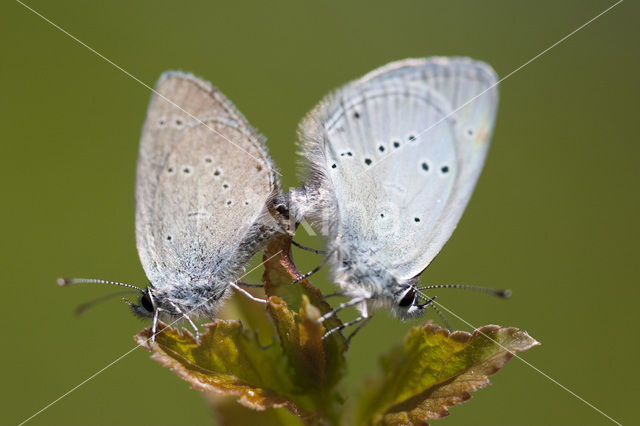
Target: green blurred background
x=554 y=216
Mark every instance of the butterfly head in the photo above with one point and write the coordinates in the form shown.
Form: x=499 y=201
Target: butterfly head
x=409 y=302
x=146 y=306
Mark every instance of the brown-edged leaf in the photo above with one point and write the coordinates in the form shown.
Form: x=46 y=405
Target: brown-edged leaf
x=279 y=274
x=318 y=364
x=300 y=370
x=229 y=413
x=228 y=360
x=434 y=369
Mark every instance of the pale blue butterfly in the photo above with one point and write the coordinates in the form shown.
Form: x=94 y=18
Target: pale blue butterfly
x=391 y=162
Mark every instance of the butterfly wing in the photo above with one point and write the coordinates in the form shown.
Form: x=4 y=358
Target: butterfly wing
x=400 y=151
x=203 y=179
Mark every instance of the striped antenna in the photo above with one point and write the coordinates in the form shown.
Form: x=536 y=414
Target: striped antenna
x=64 y=282
x=505 y=294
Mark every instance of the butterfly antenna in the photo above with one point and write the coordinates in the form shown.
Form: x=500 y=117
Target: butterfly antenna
x=63 y=282
x=81 y=309
x=505 y=294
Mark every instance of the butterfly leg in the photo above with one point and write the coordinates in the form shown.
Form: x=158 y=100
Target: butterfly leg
x=246 y=293
x=185 y=316
x=154 y=326
x=308 y=274
x=361 y=319
x=250 y=285
x=312 y=250
x=313 y=271
x=331 y=313
x=353 y=333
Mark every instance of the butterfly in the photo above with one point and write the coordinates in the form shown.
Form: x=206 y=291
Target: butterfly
x=204 y=189
x=390 y=163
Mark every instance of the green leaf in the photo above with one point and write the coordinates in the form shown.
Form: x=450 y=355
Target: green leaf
x=292 y=366
x=434 y=369
x=321 y=361
x=229 y=413
x=279 y=274
x=228 y=360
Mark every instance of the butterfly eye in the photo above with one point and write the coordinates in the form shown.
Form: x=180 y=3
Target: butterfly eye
x=283 y=210
x=408 y=298
x=145 y=302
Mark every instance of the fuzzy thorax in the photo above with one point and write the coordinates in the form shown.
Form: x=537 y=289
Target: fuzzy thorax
x=361 y=277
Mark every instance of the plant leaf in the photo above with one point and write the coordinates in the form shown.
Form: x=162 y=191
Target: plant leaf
x=434 y=369
x=279 y=274
x=325 y=357
x=229 y=413
x=300 y=370
x=228 y=360
x=317 y=364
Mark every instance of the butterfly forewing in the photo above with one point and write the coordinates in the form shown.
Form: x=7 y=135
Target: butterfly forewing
x=202 y=182
x=470 y=88
x=380 y=179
